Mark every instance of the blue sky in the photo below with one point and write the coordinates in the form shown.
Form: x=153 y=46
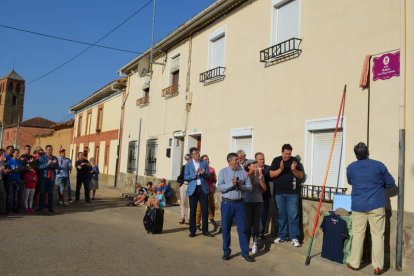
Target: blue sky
x=83 y=20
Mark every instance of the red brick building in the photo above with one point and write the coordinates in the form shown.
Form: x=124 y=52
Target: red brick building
x=24 y=133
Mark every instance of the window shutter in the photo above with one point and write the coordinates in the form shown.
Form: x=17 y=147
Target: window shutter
x=175 y=64
x=287 y=21
x=322 y=142
x=217 y=52
x=243 y=143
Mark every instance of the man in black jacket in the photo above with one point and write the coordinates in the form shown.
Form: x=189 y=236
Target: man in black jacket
x=83 y=176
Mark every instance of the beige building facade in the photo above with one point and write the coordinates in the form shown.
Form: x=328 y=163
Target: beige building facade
x=59 y=138
x=97 y=128
x=255 y=75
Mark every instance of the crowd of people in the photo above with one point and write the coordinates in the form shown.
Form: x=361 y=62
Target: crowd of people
x=245 y=186
x=27 y=180
x=246 y=194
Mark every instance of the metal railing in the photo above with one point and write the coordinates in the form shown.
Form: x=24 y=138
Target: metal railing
x=170 y=91
x=143 y=101
x=281 y=50
x=313 y=192
x=213 y=74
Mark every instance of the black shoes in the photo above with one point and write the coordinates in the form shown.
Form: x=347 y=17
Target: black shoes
x=207 y=234
x=226 y=257
x=248 y=258
x=191 y=235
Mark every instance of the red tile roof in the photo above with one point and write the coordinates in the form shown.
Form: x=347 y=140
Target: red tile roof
x=37 y=122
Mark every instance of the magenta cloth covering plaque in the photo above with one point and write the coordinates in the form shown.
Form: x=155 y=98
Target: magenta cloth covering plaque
x=386 y=66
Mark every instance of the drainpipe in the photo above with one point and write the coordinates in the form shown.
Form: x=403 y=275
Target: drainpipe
x=121 y=122
x=401 y=151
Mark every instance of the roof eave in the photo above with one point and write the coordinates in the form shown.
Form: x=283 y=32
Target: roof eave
x=205 y=17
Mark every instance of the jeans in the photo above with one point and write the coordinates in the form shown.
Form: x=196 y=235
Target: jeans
x=64 y=184
x=288 y=216
x=197 y=196
x=2 y=197
x=46 y=185
x=12 y=194
x=237 y=211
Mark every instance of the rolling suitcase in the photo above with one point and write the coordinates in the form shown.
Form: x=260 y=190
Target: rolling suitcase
x=154 y=220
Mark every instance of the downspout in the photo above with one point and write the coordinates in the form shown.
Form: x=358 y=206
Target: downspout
x=187 y=94
x=401 y=151
x=121 y=123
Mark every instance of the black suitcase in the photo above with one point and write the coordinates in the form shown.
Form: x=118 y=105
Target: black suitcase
x=154 y=220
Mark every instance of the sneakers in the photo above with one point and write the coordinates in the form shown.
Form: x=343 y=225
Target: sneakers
x=295 y=243
x=254 y=248
x=65 y=204
x=60 y=202
x=278 y=240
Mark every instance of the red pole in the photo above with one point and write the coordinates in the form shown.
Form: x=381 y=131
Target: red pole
x=322 y=196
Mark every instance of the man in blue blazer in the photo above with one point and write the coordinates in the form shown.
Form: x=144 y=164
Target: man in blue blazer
x=196 y=174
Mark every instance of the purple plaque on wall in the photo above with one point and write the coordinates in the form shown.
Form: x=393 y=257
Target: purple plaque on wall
x=386 y=66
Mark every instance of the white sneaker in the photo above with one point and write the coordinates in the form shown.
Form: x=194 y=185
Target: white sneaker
x=254 y=248
x=295 y=243
x=278 y=240
x=60 y=202
x=65 y=204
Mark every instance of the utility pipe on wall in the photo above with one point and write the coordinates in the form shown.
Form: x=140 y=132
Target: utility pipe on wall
x=401 y=151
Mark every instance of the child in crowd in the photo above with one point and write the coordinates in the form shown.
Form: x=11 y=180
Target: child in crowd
x=157 y=201
x=95 y=177
x=143 y=195
x=30 y=180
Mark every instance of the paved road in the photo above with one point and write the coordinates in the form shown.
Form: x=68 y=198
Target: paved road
x=107 y=238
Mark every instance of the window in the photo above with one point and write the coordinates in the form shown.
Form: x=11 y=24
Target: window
x=88 y=122
x=151 y=158
x=18 y=88
x=99 y=119
x=106 y=161
x=242 y=140
x=79 y=130
x=14 y=100
x=97 y=155
x=286 y=20
x=132 y=157
x=175 y=72
x=216 y=49
x=319 y=142
x=10 y=87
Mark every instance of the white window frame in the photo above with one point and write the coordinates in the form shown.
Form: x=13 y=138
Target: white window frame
x=323 y=124
x=241 y=132
x=174 y=68
x=275 y=5
x=220 y=32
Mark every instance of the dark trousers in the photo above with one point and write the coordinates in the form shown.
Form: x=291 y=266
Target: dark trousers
x=12 y=192
x=265 y=215
x=2 y=197
x=253 y=217
x=237 y=211
x=85 y=182
x=198 y=196
x=46 y=185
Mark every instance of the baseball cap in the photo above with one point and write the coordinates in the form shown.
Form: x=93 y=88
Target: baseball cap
x=248 y=162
